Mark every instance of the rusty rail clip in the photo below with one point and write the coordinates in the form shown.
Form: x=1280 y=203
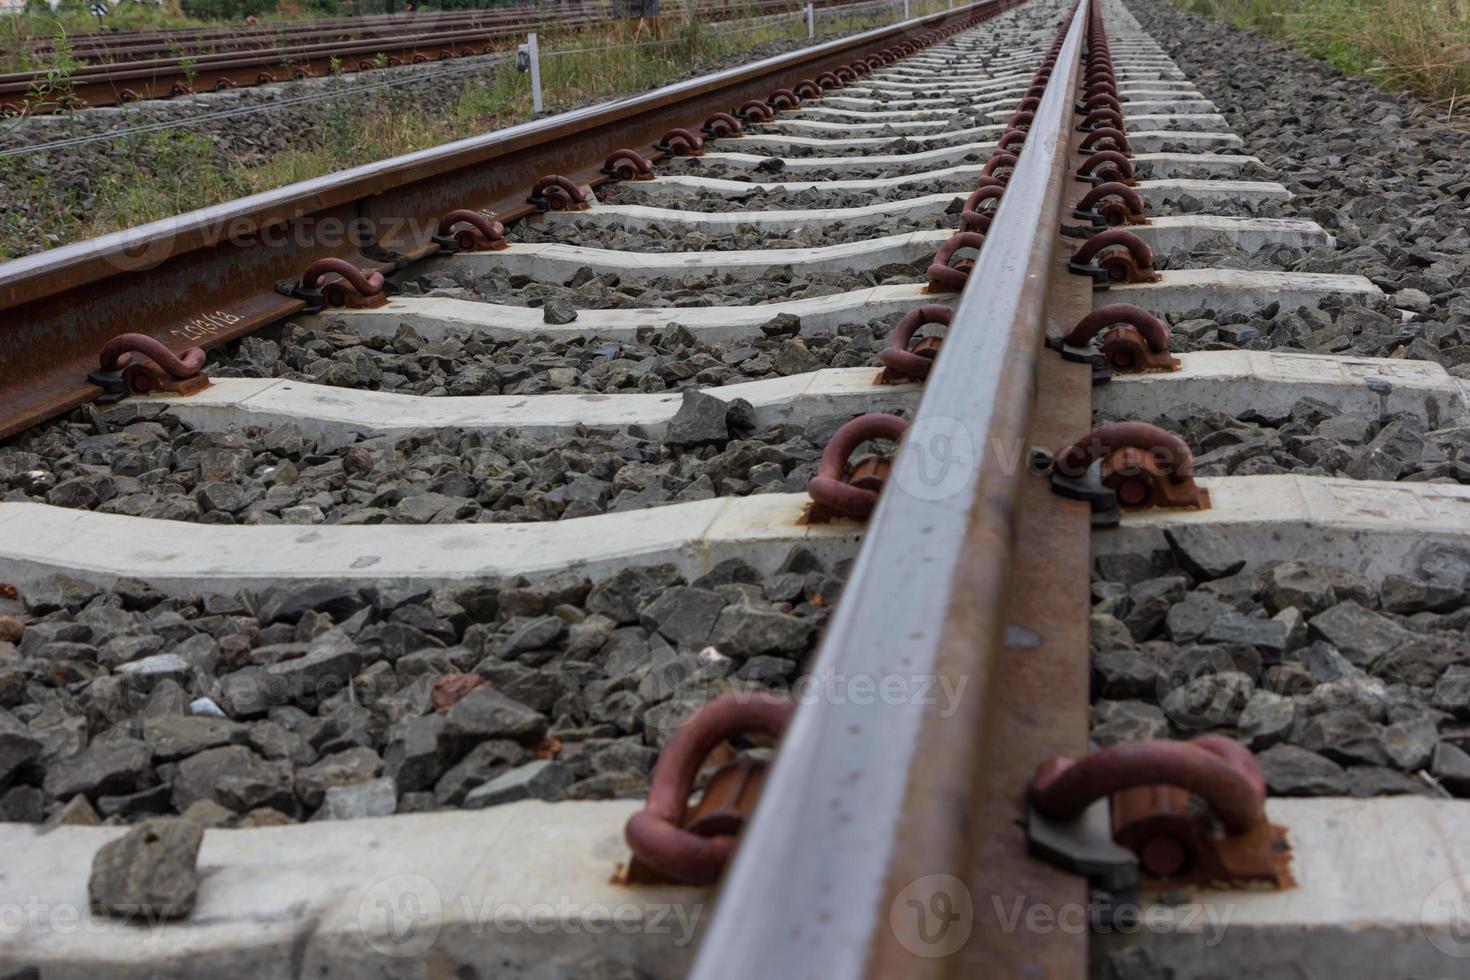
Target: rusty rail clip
x=670 y=843
x=1151 y=785
x=1128 y=464
x=846 y=489
x=1120 y=337
x=137 y=364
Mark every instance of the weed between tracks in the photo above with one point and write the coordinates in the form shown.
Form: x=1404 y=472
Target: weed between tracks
x=1419 y=46
x=72 y=194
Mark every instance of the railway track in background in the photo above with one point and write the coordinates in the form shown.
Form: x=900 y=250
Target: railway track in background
x=125 y=69
x=529 y=493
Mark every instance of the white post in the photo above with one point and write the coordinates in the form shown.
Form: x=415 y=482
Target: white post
x=535 y=53
x=905 y=9
x=811 y=23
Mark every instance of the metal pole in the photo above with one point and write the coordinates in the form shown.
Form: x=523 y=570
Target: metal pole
x=905 y=9
x=811 y=23
x=535 y=71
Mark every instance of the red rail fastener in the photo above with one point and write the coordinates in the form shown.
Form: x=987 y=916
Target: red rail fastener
x=972 y=218
x=851 y=489
x=660 y=834
x=1133 y=340
x=1011 y=140
x=1144 y=465
x=1111 y=116
x=903 y=362
x=1004 y=162
x=1106 y=134
x=1107 y=165
x=807 y=89
x=628 y=164
x=135 y=363
x=1021 y=120
x=477 y=232
x=783 y=98
x=755 y=111
x=948 y=273
x=828 y=80
x=556 y=193
x=1115 y=255
x=1150 y=784
x=353 y=289
x=680 y=142
x=1112 y=203
x=722 y=125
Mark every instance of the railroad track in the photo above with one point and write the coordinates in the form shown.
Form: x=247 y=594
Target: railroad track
x=569 y=506
x=121 y=69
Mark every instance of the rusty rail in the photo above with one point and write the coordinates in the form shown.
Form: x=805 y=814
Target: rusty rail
x=209 y=276
x=878 y=812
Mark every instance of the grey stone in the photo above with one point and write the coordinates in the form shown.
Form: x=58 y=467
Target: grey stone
x=149 y=872
x=236 y=778
x=700 y=419
x=1344 y=736
x=1187 y=619
x=1151 y=600
x=415 y=756
x=622 y=596
x=1410 y=595
x=1296 y=584
x=1203 y=551
x=1410 y=743
x=484 y=762
x=1397 y=448
x=1266 y=635
x=1294 y=771
x=534 y=634
x=1452 y=693
x=1361 y=635
x=287 y=604
x=1325 y=664
x=486 y=713
x=17 y=745
x=1266 y=720
x=173 y=737
x=684 y=615
x=1451 y=766
x=1208 y=701
x=344 y=768
x=369 y=798
x=112 y=767
x=538 y=780
x=324 y=671
x=1126 y=721
x=748 y=631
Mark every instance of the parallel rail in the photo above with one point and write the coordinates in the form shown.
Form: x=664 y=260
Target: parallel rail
x=209 y=276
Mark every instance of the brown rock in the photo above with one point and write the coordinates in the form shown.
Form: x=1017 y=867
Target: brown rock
x=448 y=689
x=11 y=629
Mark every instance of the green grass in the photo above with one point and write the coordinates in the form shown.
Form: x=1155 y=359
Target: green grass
x=1417 y=46
x=146 y=177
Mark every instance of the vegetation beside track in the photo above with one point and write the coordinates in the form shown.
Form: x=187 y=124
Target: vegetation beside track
x=1418 y=46
x=55 y=197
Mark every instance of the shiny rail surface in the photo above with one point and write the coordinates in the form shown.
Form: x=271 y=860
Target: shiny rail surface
x=866 y=805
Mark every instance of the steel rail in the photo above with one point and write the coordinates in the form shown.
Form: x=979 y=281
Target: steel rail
x=209 y=276
x=868 y=805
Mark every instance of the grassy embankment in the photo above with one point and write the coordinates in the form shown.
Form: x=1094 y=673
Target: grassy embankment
x=1417 y=46
x=177 y=170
